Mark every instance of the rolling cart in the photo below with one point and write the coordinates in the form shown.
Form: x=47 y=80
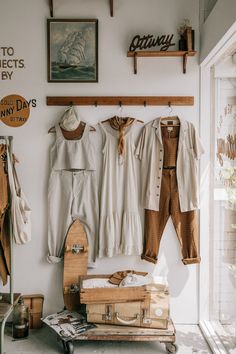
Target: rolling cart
x=119 y=333
x=75 y=265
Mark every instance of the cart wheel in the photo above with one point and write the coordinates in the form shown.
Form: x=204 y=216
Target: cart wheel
x=68 y=347
x=171 y=348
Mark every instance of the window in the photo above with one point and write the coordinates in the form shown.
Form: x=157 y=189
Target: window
x=223 y=213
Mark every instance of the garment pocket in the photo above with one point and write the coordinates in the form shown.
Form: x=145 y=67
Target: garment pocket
x=189 y=152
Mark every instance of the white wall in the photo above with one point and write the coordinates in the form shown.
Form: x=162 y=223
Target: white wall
x=216 y=26
x=23 y=24
x=208 y=5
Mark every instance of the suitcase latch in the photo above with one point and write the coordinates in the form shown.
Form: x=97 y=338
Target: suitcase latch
x=146 y=320
x=108 y=315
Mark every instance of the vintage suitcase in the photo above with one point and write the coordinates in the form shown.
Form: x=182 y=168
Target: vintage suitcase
x=153 y=312
x=114 y=295
x=35 y=304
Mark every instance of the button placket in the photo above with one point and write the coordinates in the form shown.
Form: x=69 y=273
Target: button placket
x=160 y=169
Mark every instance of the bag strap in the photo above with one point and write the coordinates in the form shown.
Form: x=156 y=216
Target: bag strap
x=16 y=179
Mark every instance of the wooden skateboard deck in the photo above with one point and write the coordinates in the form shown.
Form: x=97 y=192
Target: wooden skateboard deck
x=75 y=264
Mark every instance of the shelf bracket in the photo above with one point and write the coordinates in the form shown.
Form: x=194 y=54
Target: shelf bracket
x=135 y=63
x=185 y=58
x=51 y=7
x=111 y=8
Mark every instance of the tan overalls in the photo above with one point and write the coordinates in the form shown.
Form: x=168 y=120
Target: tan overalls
x=4 y=219
x=185 y=223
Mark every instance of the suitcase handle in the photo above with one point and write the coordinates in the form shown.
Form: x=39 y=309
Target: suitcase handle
x=126 y=322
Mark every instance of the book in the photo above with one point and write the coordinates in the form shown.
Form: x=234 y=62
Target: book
x=188 y=37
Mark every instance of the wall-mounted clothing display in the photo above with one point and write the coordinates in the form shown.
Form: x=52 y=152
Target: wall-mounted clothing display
x=72 y=192
x=120 y=230
x=169 y=157
x=150 y=151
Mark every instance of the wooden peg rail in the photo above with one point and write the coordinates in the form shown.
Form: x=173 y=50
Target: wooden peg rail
x=120 y=100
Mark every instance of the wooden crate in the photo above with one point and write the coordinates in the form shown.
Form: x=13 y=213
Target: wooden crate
x=114 y=295
x=35 y=304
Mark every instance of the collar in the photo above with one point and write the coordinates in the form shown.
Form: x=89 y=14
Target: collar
x=157 y=125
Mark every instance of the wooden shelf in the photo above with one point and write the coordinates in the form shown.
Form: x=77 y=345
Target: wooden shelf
x=51 y=7
x=170 y=53
x=111 y=8
x=50 y=2
x=6 y=306
x=120 y=100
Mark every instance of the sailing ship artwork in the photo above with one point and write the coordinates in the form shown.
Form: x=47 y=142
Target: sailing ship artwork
x=72 y=51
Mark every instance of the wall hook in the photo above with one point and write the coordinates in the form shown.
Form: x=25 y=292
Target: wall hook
x=111 y=8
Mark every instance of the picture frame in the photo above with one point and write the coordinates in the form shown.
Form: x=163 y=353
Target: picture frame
x=72 y=50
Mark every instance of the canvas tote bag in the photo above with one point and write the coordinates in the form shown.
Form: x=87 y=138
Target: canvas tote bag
x=21 y=212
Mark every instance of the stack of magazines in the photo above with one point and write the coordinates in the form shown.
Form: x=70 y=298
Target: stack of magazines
x=67 y=324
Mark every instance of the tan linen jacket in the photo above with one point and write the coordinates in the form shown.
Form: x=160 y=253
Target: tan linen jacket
x=150 y=151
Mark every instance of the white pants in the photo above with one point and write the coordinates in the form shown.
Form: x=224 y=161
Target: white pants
x=71 y=195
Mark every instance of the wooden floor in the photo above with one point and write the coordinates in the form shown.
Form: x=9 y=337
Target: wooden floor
x=43 y=341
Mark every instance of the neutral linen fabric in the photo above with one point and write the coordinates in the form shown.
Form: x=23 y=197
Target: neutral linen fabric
x=97 y=283
x=136 y=280
x=4 y=217
x=3 y=180
x=117 y=277
x=20 y=209
x=150 y=151
x=120 y=225
x=71 y=195
x=70 y=119
x=72 y=154
x=185 y=223
x=170 y=139
x=121 y=124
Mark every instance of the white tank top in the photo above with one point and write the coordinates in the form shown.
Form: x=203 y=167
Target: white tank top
x=76 y=154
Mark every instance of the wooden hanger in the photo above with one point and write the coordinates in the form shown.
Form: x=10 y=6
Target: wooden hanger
x=174 y=118
x=53 y=129
x=107 y=120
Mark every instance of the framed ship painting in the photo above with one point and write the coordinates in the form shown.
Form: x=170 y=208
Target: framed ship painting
x=72 y=50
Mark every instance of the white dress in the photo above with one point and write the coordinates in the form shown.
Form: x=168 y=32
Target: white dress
x=120 y=223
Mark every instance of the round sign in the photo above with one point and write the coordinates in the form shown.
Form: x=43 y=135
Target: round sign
x=14 y=110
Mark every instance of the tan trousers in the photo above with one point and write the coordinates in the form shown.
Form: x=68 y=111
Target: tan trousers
x=4 y=221
x=185 y=223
